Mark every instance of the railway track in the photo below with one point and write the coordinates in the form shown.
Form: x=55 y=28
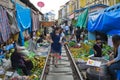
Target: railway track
x=66 y=70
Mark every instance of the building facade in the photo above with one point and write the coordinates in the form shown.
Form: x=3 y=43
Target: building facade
x=68 y=10
x=105 y=2
x=49 y=16
x=82 y=3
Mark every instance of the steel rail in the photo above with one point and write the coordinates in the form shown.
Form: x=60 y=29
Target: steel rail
x=77 y=72
x=43 y=75
x=74 y=67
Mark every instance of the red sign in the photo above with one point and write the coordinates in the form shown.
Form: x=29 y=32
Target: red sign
x=72 y=16
x=47 y=24
x=40 y=4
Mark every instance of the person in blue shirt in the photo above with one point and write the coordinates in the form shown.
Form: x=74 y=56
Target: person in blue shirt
x=54 y=39
x=114 y=64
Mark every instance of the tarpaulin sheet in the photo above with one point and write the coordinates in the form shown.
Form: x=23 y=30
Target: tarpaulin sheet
x=24 y=20
x=23 y=17
x=106 y=22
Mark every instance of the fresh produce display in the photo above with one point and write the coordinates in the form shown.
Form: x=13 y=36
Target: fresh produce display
x=36 y=57
x=72 y=44
x=106 y=49
x=38 y=63
x=83 y=51
x=26 y=44
x=33 y=77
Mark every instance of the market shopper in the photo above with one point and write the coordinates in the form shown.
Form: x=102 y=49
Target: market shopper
x=71 y=29
x=18 y=61
x=78 y=33
x=114 y=64
x=62 y=40
x=66 y=29
x=45 y=31
x=32 y=43
x=98 y=48
x=40 y=40
x=54 y=39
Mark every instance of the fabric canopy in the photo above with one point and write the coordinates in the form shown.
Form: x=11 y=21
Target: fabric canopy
x=24 y=21
x=82 y=19
x=23 y=17
x=105 y=21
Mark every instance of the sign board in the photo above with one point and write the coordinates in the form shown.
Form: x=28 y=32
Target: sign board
x=47 y=24
x=94 y=63
x=72 y=16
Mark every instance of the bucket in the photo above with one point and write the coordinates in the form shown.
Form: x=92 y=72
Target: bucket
x=103 y=69
x=93 y=73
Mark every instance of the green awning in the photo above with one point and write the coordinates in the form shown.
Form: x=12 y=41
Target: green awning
x=82 y=19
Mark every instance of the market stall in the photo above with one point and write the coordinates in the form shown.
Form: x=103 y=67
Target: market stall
x=83 y=53
x=38 y=59
x=9 y=34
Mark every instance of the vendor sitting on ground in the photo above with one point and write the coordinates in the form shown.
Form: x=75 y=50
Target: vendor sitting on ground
x=18 y=61
x=98 y=48
x=40 y=40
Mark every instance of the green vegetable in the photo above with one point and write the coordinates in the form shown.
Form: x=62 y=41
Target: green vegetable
x=72 y=44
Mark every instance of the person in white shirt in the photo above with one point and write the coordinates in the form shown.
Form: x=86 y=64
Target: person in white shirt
x=66 y=29
x=62 y=40
x=62 y=26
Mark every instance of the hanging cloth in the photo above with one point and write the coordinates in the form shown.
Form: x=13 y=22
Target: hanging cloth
x=23 y=16
x=4 y=26
x=12 y=21
x=34 y=22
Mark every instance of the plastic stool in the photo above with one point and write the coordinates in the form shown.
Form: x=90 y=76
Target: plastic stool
x=118 y=74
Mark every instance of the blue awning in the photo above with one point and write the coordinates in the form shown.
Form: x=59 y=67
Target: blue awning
x=107 y=21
